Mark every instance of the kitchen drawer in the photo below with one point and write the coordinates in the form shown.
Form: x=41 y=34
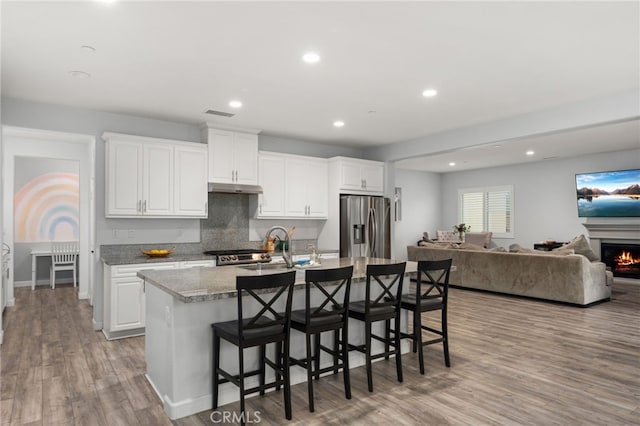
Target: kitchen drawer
x=121 y=271
x=196 y=264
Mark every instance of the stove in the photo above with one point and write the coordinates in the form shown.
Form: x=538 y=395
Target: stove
x=240 y=256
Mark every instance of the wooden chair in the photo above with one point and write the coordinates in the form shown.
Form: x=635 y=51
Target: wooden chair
x=383 y=307
x=432 y=289
x=63 y=258
x=269 y=325
x=329 y=315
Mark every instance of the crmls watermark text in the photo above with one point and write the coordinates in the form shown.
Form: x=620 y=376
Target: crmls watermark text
x=233 y=417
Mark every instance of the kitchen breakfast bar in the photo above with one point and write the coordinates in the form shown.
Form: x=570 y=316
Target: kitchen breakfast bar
x=182 y=304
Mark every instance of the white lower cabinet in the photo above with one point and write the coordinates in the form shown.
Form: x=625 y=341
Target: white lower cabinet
x=124 y=298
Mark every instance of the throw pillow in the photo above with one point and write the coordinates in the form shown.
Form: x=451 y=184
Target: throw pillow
x=425 y=236
x=581 y=246
x=445 y=235
x=479 y=238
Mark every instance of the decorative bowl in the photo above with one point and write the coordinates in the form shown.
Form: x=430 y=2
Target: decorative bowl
x=158 y=252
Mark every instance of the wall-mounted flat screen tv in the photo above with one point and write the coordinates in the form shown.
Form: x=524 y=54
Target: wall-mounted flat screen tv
x=609 y=194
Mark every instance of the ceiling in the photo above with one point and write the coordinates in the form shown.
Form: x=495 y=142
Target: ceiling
x=175 y=60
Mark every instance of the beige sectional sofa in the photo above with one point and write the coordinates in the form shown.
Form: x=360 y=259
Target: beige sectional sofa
x=568 y=278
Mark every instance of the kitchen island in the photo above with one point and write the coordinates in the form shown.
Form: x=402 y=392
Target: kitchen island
x=181 y=305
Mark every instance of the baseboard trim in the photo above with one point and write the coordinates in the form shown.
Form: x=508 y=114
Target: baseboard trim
x=115 y=335
x=42 y=282
x=97 y=325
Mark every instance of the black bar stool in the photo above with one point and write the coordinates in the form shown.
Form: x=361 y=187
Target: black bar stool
x=384 y=307
x=329 y=315
x=432 y=289
x=270 y=325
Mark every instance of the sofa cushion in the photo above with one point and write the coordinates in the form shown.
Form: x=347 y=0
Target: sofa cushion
x=517 y=248
x=581 y=246
x=478 y=238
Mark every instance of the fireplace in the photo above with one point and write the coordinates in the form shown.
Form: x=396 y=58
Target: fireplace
x=623 y=259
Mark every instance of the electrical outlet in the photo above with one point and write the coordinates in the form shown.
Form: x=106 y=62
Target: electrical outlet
x=454 y=268
x=132 y=233
x=114 y=234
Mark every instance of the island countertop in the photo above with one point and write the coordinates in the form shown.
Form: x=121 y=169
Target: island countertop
x=203 y=284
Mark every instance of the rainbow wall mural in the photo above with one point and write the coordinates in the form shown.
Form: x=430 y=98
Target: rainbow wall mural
x=47 y=208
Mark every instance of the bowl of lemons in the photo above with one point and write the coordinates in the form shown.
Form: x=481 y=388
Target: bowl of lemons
x=158 y=252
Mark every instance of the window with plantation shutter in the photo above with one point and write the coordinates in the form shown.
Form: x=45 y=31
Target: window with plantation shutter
x=487 y=210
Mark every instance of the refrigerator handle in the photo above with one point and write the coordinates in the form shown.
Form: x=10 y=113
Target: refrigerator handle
x=373 y=232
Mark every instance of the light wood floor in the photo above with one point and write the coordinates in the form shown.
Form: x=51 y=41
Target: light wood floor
x=514 y=361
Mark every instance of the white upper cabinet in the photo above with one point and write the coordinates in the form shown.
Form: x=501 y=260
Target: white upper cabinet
x=233 y=156
x=157 y=179
x=148 y=177
x=306 y=187
x=123 y=178
x=190 y=182
x=359 y=176
x=293 y=186
x=271 y=176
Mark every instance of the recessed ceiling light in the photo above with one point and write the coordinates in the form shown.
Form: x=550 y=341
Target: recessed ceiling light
x=235 y=104
x=530 y=152
x=452 y=164
x=429 y=93
x=311 y=57
x=79 y=74
x=106 y=1
x=338 y=123
x=497 y=146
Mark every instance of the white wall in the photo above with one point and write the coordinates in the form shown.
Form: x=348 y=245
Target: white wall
x=544 y=194
x=420 y=208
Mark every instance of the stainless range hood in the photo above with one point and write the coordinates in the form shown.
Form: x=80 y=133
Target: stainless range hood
x=234 y=188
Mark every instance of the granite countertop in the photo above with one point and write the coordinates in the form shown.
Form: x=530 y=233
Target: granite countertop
x=127 y=254
x=203 y=284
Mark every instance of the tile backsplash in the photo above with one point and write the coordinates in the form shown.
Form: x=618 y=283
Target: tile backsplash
x=227 y=226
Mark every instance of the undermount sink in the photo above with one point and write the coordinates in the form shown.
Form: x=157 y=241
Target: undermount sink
x=264 y=266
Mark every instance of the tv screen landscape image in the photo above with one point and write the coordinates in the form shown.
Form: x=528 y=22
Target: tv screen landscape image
x=609 y=194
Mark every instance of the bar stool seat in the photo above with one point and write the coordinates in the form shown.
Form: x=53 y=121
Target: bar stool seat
x=269 y=325
x=330 y=315
x=385 y=306
x=432 y=289
x=327 y=318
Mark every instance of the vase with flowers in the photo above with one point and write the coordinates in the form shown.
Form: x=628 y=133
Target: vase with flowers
x=460 y=229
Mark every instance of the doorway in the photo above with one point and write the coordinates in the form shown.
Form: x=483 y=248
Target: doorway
x=21 y=143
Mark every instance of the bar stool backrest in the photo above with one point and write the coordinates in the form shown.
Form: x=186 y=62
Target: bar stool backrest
x=433 y=279
x=394 y=274
x=330 y=306
x=271 y=315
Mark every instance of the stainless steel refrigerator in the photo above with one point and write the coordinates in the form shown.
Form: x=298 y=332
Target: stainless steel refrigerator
x=365 y=226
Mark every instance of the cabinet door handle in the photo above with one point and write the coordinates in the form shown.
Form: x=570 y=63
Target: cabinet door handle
x=144 y=206
x=138 y=208
x=261 y=208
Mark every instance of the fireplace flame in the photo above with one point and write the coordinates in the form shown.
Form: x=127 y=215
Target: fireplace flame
x=625 y=258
